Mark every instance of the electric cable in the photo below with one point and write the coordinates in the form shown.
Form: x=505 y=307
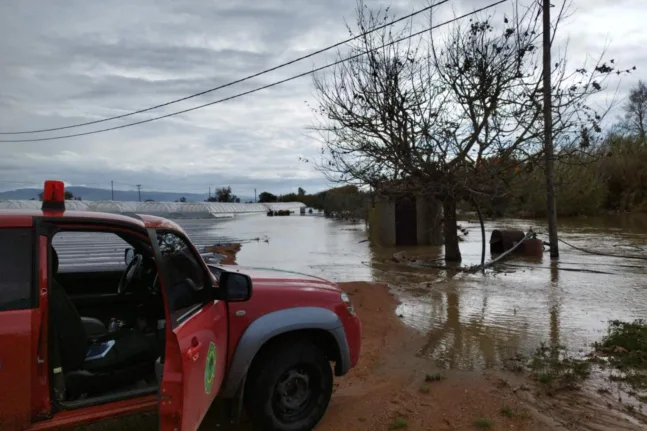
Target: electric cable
x=274 y=84
x=238 y=81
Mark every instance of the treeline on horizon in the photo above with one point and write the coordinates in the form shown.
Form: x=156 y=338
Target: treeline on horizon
x=346 y=202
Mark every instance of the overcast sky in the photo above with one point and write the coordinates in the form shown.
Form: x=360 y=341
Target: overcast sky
x=69 y=61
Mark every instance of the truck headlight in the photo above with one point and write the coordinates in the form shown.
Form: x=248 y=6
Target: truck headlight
x=349 y=305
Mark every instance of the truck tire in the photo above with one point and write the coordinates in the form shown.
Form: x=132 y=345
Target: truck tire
x=289 y=388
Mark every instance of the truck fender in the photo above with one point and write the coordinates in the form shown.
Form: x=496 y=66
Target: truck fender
x=280 y=322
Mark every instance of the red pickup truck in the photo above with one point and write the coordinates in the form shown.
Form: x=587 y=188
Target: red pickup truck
x=163 y=331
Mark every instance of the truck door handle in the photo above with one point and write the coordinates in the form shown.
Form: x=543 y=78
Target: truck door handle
x=193 y=352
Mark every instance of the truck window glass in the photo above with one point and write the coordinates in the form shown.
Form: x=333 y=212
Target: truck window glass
x=187 y=291
x=15 y=268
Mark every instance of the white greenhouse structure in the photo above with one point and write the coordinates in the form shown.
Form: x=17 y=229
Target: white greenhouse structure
x=163 y=209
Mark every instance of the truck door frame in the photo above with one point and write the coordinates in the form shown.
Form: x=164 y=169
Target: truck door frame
x=194 y=361
x=44 y=230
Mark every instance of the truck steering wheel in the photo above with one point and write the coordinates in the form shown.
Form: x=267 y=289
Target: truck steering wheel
x=129 y=274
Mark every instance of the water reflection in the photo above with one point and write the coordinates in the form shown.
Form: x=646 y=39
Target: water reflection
x=460 y=335
x=554 y=305
x=472 y=320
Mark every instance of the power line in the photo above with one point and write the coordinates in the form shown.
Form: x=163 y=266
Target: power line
x=238 y=81
x=283 y=81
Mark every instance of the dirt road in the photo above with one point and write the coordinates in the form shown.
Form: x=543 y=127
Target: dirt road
x=394 y=389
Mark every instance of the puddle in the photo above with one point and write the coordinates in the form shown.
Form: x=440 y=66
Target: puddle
x=473 y=321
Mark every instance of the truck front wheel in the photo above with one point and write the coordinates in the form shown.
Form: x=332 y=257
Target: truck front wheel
x=290 y=387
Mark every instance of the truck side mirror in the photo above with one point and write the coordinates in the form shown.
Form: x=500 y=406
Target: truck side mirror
x=237 y=287
x=129 y=255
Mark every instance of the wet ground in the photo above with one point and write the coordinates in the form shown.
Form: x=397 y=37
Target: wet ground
x=473 y=321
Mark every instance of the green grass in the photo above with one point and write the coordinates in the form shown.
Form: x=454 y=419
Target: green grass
x=424 y=389
x=483 y=423
x=545 y=378
x=626 y=343
x=435 y=377
x=509 y=413
x=524 y=415
x=506 y=412
x=551 y=365
x=626 y=346
x=398 y=424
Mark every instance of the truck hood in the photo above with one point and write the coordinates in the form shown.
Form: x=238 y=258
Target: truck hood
x=280 y=278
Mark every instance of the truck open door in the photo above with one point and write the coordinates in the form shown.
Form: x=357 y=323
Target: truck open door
x=196 y=334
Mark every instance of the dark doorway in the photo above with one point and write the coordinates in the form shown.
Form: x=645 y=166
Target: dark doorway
x=406 y=232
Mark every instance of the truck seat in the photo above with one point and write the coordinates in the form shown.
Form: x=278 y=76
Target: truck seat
x=92 y=363
x=94 y=328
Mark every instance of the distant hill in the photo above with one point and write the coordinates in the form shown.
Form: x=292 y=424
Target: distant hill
x=92 y=194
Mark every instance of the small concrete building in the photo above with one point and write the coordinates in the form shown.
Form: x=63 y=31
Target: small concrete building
x=406 y=221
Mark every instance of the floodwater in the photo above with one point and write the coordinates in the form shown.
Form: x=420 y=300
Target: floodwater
x=473 y=320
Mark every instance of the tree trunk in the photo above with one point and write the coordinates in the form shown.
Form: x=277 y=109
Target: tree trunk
x=480 y=214
x=452 y=251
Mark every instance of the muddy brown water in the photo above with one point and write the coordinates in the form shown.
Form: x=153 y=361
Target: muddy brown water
x=474 y=321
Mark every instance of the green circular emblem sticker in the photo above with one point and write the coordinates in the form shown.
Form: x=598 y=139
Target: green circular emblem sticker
x=210 y=368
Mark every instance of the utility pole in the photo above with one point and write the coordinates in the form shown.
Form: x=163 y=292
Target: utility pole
x=139 y=191
x=112 y=190
x=254 y=195
x=209 y=192
x=551 y=208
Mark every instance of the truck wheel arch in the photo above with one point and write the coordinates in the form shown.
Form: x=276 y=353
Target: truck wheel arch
x=320 y=325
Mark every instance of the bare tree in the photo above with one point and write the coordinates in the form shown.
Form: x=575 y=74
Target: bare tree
x=374 y=108
x=449 y=116
x=636 y=112
x=377 y=112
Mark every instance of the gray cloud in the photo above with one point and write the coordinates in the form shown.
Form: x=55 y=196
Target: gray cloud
x=73 y=61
